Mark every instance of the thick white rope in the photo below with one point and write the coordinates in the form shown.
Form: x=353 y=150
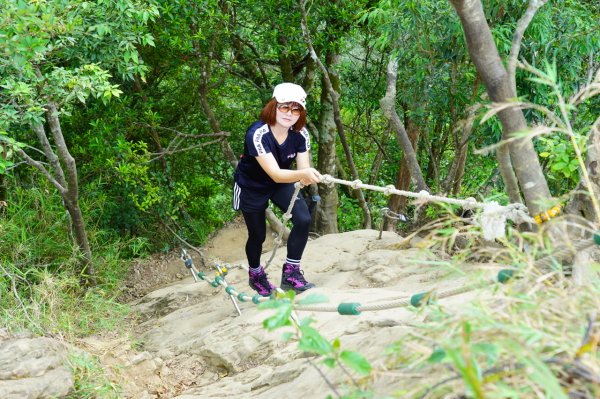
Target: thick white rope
x=492 y=220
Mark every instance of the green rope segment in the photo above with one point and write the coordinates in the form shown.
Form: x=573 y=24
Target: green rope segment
x=416 y=300
x=505 y=275
x=355 y=308
x=350 y=308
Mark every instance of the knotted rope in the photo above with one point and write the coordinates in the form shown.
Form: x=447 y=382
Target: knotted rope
x=492 y=220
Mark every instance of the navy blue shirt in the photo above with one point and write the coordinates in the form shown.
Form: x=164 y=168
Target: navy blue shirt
x=260 y=141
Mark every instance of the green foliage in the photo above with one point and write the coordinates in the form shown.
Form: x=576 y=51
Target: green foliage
x=59 y=51
x=310 y=340
x=33 y=229
x=42 y=290
x=91 y=381
x=349 y=214
x=564 y=145
x=560 y=161
x=48 y=303
x=520 y=350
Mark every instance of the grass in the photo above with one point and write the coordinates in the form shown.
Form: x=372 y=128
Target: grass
x=520 y=343
x=91 y=381
x=535 y=337
x=40 y=290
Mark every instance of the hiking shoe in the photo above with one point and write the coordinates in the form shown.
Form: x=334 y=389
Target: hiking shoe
x=292 y=278
x=259 y=282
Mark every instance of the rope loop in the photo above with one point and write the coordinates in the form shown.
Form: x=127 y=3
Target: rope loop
x=423 y=194
x=470 y=203
x=356 y=184
x=389 y=189
x=327 y=179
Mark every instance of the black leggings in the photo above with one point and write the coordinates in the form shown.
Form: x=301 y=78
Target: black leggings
x=257 y=226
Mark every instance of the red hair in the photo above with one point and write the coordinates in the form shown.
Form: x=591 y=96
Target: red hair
x=269 y=114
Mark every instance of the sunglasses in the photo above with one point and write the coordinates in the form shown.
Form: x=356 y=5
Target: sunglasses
x=285 y=108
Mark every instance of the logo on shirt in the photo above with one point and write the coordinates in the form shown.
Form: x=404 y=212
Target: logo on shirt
x=257 y=138
x=291 y=156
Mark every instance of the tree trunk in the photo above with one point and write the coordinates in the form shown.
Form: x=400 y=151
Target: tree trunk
x=388 y=105
x=397 y=203
x=71 y=194
x=503 y=153
x=454 y=178
x=228 y=154
x=379 y=157
x=329 y=76
x=511 y=184
x=580 y=204
x=484 y=53
x=432 y=174
x=326 y=216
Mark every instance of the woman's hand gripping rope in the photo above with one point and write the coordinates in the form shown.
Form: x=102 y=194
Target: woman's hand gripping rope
x=311 y=175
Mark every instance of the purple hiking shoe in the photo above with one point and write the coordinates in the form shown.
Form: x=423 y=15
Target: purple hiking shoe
x=259 y=282
x=292 y=278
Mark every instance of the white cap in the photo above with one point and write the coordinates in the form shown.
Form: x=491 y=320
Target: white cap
x=290 y=92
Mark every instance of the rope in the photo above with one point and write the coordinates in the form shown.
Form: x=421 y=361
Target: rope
x=342 y=308
x=423 y=195
x=354 y=308
x=492 y=220
x=286 y=216
x=400 y=303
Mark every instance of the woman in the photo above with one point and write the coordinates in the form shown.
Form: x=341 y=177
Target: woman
x=264 y=174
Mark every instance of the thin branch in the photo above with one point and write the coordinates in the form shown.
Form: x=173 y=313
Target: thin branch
x=24 y=145
x=499 y=107
x=16 y=294
x=345 y=370
x=323 y=376
x=529 y=134
x=258 y=58
x=387 y=104
x=38 y=165
x=522 y=25
x=15 y=165
x=171 y=152
x=195 y=249
x=187 y=135
x=592 y=88
x=49 y=153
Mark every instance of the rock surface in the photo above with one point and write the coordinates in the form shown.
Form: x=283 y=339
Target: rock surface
x=188 y=341
x=243 y=360
x=33 y=368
